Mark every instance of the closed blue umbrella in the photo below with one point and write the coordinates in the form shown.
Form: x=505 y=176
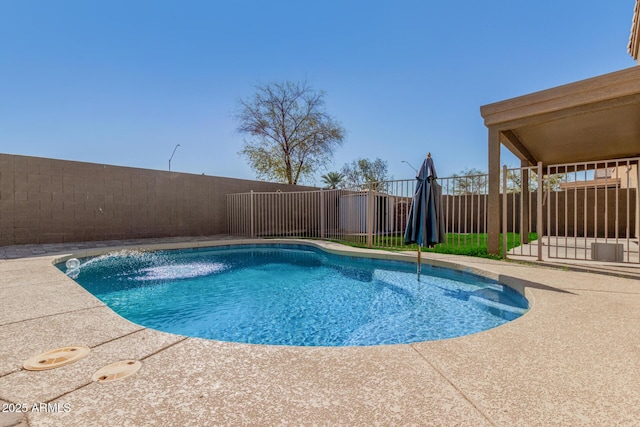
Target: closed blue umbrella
x=425 y=225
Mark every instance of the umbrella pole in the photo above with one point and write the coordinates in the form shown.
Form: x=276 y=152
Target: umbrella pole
x=419 y=262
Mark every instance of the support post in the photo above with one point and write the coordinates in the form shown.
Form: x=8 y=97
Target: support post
x=525 y=211
x=493 y=202
x=539 y=228
x=504 y=211
x=370 y=214
x=638 y=201
x=252 y=216
x=321 y=214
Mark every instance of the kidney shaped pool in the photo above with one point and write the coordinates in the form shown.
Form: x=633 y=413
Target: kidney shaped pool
x=293 y=295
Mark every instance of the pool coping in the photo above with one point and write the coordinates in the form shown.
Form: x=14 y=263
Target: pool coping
x=543 y=368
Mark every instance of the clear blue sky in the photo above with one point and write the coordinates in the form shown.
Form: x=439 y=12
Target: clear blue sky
x=122 y=82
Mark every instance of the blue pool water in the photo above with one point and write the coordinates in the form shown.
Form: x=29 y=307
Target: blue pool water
x=294 y=295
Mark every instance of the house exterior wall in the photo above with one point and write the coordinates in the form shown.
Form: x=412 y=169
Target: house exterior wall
x=52 y=201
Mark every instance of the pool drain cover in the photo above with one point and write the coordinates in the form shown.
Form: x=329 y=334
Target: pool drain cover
x=117 y=371
x=55 y=358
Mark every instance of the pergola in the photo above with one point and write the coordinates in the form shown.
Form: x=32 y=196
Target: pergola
x=589 y=120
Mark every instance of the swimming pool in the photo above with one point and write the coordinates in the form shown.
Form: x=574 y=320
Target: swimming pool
x=294 y=295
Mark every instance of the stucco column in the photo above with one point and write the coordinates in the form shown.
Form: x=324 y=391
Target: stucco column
x=493 y=204
x=637 y=196
x=524 y=195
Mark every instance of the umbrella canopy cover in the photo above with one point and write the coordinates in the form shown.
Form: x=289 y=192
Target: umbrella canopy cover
x=426 y=222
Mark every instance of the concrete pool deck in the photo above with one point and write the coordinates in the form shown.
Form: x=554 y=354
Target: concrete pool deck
x=573 y=359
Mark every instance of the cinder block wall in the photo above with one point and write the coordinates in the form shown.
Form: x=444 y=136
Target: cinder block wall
x=52 y=201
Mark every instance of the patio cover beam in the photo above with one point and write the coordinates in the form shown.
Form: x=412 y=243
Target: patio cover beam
x=513 y=143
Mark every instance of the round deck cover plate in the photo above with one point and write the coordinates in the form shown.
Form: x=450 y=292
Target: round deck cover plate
x=55 y=358
x=117 y=371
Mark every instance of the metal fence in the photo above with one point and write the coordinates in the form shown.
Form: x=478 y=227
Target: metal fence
x=373 y=214
x=579 y=211
x=593 y=211
x=521 y=205
x=586 y=211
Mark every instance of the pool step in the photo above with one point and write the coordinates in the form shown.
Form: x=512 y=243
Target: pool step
x=498 y=305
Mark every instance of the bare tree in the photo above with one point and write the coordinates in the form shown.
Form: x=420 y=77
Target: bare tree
x=289 y=134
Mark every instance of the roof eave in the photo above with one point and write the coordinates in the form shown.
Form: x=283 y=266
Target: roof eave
x=607 y=88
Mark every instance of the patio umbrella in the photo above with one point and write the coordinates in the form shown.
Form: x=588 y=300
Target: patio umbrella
x=425 y=225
